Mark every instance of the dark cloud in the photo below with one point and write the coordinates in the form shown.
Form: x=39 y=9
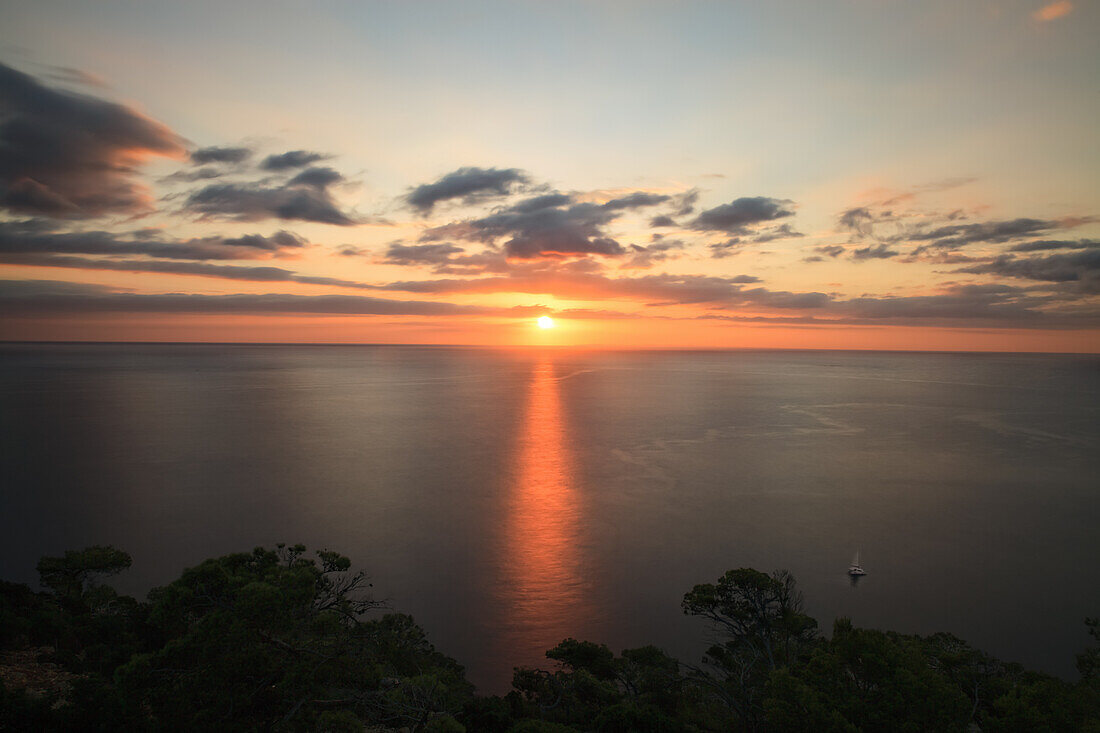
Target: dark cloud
x=875 y=252
x=316 y=177
x=938 y=236
x=556 y=224
x=203 y=156
x=31 y=237
x=545 y=201
x=858 y=220
x=1081 y=268
x=45 y=297
x=740 y=214
x=940 y=257
x=543 y=226
x=205 y=173
x=1040 y=245
x=662 y=220
x=420 y=254
x=175 y=267
x=469 y=184
x=70 y=155
x=977 y=304
x=447 y=258
x=291 y=159
x=303 y=200
x=988 y=232
x=832 y=250
x=636 y=200
x=277 y=242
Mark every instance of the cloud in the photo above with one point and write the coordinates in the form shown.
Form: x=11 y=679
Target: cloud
x=447 y=258
x=559 y=225
x=965 y=303
x=550 y=225
x=784 y=231
x=175 y=267
x=858 y=220
x=643 y=257
x=545 y=201
x=470 y=184
x=320 y=178
x=1082 y=268
x=303 y=199
x=46 y=297
x=64 y=154
x=1048 y=244
x=956 y=306
x=728 y=248
x=685 y=202
x=876 y=252
x=23 y=298
x=291 y=159
x=1053 y=11
x=832 y=250
x=993 y=305
x=204 y=173
x=654 y=290
x=636 y=200
x=420 y=254
x=988 y=232
x=31 y=237
x=740 y=214
x=733 y=245
x=203 y=156
x=937 y=236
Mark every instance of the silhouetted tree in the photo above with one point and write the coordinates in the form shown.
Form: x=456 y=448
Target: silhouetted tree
x=760 y=625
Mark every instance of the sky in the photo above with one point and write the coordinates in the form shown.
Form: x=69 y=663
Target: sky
x=854 y=174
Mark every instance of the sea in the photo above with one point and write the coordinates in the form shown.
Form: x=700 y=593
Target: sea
x=510 y=498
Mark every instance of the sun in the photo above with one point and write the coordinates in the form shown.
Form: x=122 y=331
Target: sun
x=546 y=322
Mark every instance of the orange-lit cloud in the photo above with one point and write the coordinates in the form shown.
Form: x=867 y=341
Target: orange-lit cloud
x=1053 y=11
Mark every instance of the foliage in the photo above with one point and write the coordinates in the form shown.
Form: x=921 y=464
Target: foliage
x=278 y=640
x=74 y=575
x=763 y=627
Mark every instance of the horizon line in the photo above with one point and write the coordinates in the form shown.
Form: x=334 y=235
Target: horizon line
x=560 y=347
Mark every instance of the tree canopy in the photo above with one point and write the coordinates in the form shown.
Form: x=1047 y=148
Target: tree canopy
x=283 y=640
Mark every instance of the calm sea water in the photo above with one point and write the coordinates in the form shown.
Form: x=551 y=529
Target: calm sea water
x=508 y=499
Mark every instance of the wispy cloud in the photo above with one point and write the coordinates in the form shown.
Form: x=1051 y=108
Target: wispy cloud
x=42 y=297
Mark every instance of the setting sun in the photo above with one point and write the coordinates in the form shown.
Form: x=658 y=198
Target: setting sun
x=546 y=322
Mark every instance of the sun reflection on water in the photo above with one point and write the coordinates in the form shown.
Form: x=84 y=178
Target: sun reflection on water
x=544 y=595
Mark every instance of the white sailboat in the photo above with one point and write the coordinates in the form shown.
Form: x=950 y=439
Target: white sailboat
x=855 y=569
